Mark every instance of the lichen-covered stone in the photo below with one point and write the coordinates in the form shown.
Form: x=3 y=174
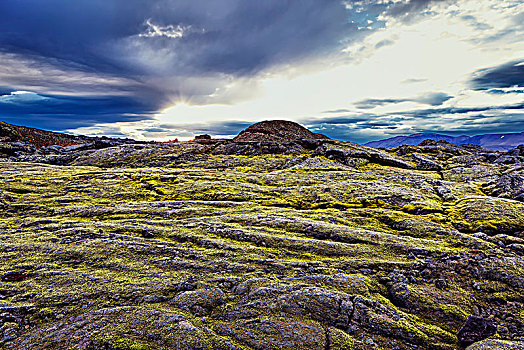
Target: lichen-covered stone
x=476 y=329
x=497 y=345
x=314 y=244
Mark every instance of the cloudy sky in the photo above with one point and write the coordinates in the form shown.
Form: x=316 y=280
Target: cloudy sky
x=353 y=70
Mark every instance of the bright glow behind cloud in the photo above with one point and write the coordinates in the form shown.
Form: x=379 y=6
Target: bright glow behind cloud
x=440 y=53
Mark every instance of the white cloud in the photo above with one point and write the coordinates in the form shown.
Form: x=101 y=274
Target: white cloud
x=169 y=31
x=21 y=97
x=53 y=76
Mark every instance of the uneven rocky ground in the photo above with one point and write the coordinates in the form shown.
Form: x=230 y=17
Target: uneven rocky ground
x=236 y=245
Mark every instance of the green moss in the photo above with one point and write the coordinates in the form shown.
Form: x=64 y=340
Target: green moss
x=120 y=343
x=98 y=240
x=340 y=340
x=488 y=215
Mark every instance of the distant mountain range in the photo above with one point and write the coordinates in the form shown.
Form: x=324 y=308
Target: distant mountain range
x=496 y=142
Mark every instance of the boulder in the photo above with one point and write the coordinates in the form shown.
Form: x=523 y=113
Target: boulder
x=476 y=329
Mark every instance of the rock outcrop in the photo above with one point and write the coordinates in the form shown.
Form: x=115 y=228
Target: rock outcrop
x=277 y=131
x=476 y=329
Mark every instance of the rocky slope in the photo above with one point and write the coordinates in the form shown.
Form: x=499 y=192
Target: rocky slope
x=36 y=138
x=306 y=244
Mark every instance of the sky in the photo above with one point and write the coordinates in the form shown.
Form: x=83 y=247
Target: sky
x=352 y=70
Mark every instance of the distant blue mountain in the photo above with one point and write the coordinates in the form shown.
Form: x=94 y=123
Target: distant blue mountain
x=497 y=142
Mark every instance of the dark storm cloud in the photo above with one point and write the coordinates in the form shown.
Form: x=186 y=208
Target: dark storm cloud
x=437 y=112
x=258 y=34
x=68 y=30
x=5 y=91
x=432 y=99
x=510 y=74
x=506 y=91
x=347 y=119
x=475 y=128
x=232 y=36
x=152 y=49
x=65 y=112
x=336 y=132
x=99 y=61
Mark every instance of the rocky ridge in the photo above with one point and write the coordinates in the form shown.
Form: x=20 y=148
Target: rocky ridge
x=298 y=244
x=20 y=138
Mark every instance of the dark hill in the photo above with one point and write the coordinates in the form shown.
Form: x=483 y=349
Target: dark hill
x=13 y=134
x=37 y=137
x=277 y=131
